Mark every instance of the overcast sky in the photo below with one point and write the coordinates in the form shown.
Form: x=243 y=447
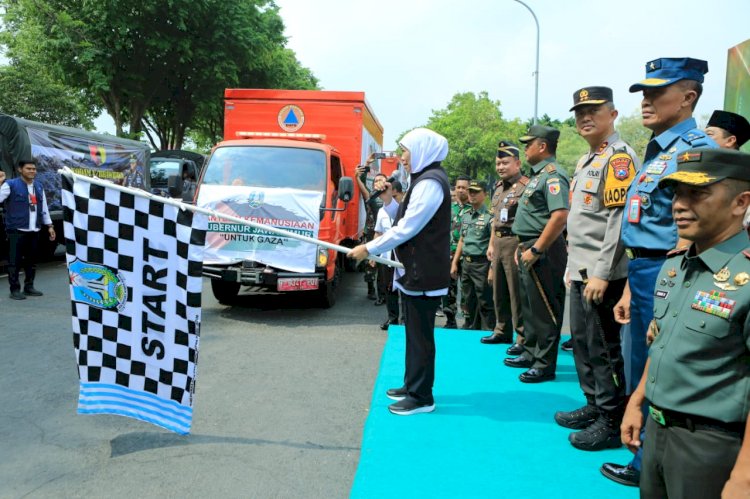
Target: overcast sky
x=412 y=56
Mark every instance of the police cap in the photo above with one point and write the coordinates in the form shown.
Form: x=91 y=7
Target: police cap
x=706 y=166
x=667 y=70
x=591 y=96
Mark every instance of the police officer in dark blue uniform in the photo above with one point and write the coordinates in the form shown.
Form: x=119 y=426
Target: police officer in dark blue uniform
x=671 y=90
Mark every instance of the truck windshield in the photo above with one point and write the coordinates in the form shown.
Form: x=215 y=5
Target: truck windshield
x=162 y=169
x=266 y=166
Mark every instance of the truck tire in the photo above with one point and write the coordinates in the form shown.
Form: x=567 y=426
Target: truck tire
x=224 y=291
x=327 y=293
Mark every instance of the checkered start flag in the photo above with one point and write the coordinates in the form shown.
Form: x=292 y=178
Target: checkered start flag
x=135 y=285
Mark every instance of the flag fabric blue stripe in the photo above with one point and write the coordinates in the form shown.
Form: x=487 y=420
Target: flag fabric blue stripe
x=117 y=400
x=103 y=390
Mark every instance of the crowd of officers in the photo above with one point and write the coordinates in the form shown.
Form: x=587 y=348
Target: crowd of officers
x=653 y=252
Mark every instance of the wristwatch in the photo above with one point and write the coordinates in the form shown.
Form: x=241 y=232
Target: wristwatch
x=535 y=251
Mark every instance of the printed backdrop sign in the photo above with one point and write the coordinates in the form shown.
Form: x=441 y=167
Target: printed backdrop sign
x=293 y=210
x=135 y=282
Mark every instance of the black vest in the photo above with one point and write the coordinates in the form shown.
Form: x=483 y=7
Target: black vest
x=426 y=256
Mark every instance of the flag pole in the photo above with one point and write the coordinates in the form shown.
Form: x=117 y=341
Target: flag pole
x=196 y=209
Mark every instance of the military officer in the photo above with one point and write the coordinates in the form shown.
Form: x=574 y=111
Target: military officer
x=729 y=130
x=476 y=228
x=458 y=208
x=540 y=220
x=670 y=92
x=597 y=270
x=502 y=250
x=697 y=379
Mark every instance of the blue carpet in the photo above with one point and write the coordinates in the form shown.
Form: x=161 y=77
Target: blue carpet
x=490 y=435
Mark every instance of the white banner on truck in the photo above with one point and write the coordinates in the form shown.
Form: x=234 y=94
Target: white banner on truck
x=293 y=210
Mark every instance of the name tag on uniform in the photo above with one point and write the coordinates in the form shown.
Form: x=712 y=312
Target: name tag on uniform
x=634 y=210
x=504 y=215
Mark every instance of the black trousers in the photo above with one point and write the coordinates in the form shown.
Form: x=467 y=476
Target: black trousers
x=22 y=252
x=541 y=332
x=420 y=345
x=595 y=333
x=388 y=292
x=684 y=464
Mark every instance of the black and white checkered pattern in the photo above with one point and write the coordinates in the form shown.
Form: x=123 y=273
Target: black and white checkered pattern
x=144 y=352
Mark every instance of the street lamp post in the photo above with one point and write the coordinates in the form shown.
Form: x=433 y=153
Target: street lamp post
x=536 y=71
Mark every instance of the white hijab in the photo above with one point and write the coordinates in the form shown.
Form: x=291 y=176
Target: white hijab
x=425 y=147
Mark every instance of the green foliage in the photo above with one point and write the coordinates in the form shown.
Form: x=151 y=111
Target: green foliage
x=162 y=63
x=28 y=91
x=570 y=147
x=633 y=132
x=473 y=125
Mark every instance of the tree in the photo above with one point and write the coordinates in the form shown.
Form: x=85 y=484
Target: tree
x=150 y=61
x=278 y=69
x=473 y=125
x=634 y=133
x=27 y=91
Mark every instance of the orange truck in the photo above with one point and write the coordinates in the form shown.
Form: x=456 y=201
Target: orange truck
x=287 y=160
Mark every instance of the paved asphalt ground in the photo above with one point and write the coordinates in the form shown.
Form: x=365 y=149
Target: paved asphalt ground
x=282 y=395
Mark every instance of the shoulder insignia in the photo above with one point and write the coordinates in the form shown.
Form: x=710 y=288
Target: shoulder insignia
x=550 y=168
x=524 y=180
x=693 y=135
x=677 y=251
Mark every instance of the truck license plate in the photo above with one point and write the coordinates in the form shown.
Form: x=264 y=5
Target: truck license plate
x=297 y=283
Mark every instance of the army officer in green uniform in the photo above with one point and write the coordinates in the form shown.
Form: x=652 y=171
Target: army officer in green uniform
x=476 y=229
x=542 y=257
x=696 y=383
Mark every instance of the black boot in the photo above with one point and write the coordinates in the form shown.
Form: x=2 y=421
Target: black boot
x=603 y=434
x=371 y=290
x=578 y=419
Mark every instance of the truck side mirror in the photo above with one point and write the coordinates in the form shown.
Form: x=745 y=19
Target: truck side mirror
x=174 y=186
x=346 y=189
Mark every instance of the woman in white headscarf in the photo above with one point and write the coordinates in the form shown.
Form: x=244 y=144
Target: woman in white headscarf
x=421 y=240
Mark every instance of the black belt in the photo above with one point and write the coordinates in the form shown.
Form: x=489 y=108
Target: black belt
x=503 y=232
x=667 y=417
x=477 y=259
x=634 y=253
x=525 y=239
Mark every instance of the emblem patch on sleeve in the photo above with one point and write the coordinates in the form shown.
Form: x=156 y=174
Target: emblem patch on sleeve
x=620 y=172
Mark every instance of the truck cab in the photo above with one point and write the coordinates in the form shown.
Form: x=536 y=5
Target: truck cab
x=295 y=183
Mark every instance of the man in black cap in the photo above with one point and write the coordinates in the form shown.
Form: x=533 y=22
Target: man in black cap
x=502 y=250
x=697 y=378
x=471 y=251
x=542 y=257
x=729 y=130
x=671 y=91
x=597 y=270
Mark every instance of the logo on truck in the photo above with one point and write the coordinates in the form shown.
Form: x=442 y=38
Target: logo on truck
x=291 y=118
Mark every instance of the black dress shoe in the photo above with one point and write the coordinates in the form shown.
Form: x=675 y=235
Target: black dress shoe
x=384 y=326
x=495 y=339
x=379 y=301
x=17 y=295
x=536 y=376
x=516 y=349
x=31 y=291
x=626 y=475
x=518 y=362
